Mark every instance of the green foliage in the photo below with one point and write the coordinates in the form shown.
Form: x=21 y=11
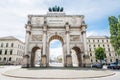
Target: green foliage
x=100 y=53
x=114 y=24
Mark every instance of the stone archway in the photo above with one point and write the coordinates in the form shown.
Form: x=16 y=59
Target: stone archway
x=41 y=29
x=33 y=55
x=76 y=55
x=55 y=37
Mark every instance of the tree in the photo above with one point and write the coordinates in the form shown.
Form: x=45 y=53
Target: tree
x=100 y=54
x=114 y=24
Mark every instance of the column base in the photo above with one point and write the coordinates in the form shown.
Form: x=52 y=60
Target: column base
x=43 y=61
x=69 y=61
x=25 y=63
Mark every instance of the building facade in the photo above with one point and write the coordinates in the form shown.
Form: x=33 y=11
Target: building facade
x=42 y=29
x=11 y=50
x=94 y=42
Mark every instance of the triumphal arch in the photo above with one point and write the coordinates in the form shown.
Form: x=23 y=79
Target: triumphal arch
x=42 y=29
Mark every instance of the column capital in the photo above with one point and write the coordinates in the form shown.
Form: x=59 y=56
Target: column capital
x=83 y=32
x=27 y=31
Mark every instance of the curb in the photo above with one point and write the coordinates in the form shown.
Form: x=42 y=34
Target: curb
x=58 y=77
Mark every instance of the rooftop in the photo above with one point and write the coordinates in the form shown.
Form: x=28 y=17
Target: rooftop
x=98 y=37
x=10 y=38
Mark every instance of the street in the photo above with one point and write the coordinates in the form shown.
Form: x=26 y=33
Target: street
x=6 y=68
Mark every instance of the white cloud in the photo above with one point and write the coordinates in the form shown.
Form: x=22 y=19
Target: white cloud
x=13 y=15
x=94 y=10
x=54 y=52
x=98 y=33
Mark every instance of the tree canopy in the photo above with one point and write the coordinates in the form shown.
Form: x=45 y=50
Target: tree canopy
x=100 y=53
x=114 y=24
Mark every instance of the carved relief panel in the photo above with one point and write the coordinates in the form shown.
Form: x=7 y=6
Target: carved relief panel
x=74 y=38
x=36 y=37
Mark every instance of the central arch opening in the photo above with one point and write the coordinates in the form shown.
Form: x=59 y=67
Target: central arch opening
x=56 y=58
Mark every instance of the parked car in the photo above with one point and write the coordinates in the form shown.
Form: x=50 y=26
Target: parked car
x=97 y=66
x=113 y=66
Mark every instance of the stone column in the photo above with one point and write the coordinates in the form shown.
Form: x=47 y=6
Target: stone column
x=67 y=39
x=44 y=57
x=68 y=56
x=85 y=42
x=27 y=38
x=28 y=32
x=64 y=55
x=44 y=42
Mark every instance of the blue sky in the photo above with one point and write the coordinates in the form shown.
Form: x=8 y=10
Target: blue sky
x=13 y=15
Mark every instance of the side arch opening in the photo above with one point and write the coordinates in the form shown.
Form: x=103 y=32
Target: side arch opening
x=76 y=57
x=36 y=57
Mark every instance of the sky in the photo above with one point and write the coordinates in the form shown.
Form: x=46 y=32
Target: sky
x=55 y=49
x=13 y=14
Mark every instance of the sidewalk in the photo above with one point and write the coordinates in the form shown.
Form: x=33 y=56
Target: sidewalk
x=57 y=73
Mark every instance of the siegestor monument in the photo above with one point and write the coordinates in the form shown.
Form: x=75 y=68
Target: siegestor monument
x=42 y=29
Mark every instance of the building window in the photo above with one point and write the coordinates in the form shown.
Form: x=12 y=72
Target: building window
x=90 y=54
x=90 y=49
x=93 y=41
x=5 y=52
x=115 y=54
x=10 y=52
x=106 y=61
x=110 y=60
x=16 y=59
x=91 y=60
x=0 y=51
x=6 y=44
x=107 y=40
x=10 y=59
x=108 y=49
x=98 y=45
x=109 y=54
x=89 y=45
x=103 y=45
x=108 y=45
x=94 y=45
x=102 y=40
x=12 y=44
x=0 y=58
x=4 y=59
x=98 y=40
x=1 y=44
x=89 y=40
x=18 y=52
x=96 y=60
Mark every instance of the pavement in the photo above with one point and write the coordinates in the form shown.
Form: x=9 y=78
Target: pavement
x=57 y=73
